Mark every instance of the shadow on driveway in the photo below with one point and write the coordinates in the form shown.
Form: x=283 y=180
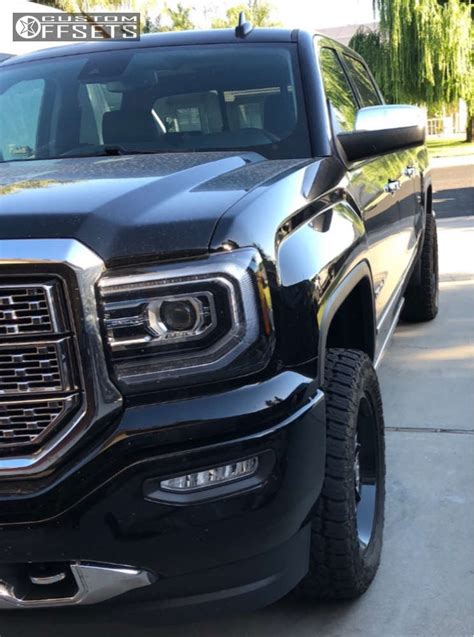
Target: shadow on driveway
x=455 y=202
x=453 y=191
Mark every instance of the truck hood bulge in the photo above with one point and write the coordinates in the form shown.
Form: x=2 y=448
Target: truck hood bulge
x=130 y=206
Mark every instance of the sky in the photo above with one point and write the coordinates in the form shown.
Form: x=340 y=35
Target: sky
x=324 y=13
x=311 y=14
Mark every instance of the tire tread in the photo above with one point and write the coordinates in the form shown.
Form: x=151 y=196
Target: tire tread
x=337 y=570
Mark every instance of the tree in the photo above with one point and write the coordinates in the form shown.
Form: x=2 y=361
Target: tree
x=177 y=19
x=422 y=52
x=76 y=6
x=258 y=12
x=470 y=98
x=373 y=48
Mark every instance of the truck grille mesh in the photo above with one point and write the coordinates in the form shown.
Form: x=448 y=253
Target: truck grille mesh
x=24 y=310
x=27 y=422
x=26 y=368
x=38 y=376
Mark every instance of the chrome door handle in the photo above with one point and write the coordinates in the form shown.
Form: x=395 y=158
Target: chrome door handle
x=410 y=171
x=392 y=186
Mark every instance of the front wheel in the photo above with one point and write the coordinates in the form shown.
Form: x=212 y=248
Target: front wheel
x=347 y=523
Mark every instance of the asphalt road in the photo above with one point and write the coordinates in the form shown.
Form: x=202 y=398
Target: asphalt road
x=454 y=190
x=425 y=586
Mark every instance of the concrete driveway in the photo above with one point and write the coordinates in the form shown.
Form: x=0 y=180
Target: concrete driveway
x=425 y=586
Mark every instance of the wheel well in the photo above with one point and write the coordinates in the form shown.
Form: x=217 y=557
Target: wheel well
x=353 y=325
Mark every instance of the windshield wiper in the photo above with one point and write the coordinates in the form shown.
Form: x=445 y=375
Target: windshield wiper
x=108 y=150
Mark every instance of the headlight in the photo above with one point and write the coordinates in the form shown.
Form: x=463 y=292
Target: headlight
x=189 y=322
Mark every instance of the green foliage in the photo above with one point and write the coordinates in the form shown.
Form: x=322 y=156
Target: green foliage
x=423 y=52
x=177 y=19
x=258 y=12
x=373 y=48
x=74 y=6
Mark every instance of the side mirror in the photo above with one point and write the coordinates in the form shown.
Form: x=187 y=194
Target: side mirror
x=384 y=129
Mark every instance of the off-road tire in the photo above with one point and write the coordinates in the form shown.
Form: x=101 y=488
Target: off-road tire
x=340 y=567
x=422 y=298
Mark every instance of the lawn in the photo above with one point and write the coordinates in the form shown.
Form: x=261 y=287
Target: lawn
x=449 y=147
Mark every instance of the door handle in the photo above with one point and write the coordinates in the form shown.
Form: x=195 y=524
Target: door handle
x=392 y=186
x=410 y=171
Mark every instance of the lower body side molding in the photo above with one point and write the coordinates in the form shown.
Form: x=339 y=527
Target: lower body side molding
x=71 y=584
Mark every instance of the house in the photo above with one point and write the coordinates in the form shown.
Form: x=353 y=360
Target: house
x=344 y=34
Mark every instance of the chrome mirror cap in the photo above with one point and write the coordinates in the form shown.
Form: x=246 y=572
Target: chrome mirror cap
x=388 y=117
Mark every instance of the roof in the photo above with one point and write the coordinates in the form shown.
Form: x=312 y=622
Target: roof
x=172 y=38
x=211 y=36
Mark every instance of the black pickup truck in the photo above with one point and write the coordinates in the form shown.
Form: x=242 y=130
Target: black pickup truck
x=206 y=242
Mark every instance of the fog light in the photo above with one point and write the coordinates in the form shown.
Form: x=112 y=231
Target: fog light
x=212 y=477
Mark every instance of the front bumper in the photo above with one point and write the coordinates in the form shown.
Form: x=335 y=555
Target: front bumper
x=238 y=551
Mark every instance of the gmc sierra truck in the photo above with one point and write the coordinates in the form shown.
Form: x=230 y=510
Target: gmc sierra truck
x=206 y=242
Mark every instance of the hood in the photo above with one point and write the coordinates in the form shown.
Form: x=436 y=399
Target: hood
x=130 y=206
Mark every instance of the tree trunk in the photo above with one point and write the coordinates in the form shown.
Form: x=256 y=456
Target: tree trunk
x=470 y=128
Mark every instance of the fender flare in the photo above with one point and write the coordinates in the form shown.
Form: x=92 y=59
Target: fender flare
x=337 y=297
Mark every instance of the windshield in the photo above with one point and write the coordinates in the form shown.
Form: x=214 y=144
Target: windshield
x=158 y=99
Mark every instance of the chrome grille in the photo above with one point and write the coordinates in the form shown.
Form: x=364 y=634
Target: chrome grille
x=26 y=422
x=25 y=310
x=38 y=386
x=26 y=368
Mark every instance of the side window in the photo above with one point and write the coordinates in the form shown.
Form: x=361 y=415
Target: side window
x=363 y=81
x=20 y=108
x=338 y=91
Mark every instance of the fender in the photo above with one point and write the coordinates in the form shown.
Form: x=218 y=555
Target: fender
x=312 y=263
x=333 y=303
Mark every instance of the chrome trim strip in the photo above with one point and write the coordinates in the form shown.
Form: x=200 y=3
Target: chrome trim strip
x=390 y=333
x=395 y=295
x=101 y=396
x=47 y=581
x=95 y=583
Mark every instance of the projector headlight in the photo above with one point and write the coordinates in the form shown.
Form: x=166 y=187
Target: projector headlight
x=189 y=322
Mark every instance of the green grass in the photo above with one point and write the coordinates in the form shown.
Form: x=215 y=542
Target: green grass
x=449 y=147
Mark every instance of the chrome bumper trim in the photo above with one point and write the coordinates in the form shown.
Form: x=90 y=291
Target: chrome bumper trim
x=95 y=583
